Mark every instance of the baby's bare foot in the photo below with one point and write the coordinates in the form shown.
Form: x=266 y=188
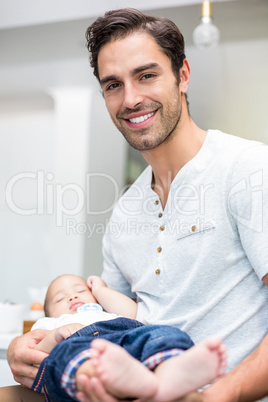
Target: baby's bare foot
x=193 y=369
x=121 y=374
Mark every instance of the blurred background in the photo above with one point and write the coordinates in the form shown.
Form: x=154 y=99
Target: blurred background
x=62 y=162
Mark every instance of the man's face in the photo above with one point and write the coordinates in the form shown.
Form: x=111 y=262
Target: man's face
x=66 y=294
x=140 y=89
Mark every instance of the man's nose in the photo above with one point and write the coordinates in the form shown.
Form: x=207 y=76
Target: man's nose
x=132 y=96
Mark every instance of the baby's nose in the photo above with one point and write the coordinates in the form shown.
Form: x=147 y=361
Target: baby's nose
x=72 y=297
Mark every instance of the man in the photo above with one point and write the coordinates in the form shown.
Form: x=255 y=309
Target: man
x=193 y=234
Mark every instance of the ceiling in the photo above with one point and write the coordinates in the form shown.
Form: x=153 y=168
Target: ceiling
x=239 y=20
x=15 y=13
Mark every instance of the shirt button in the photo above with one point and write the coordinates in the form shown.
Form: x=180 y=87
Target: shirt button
x=160 y=215
x=157 y=271
x=162 y=228
x=159 y=249
x=156 y=202
x=193 y=228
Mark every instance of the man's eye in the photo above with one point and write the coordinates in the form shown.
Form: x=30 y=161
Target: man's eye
x=112 y=86
x=147 y=76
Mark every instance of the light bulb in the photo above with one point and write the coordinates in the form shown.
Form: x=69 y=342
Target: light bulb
x=206 y=35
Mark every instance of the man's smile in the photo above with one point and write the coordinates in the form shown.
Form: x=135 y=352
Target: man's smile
x=141 y=120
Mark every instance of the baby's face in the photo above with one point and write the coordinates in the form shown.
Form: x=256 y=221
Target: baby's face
x=66 y=294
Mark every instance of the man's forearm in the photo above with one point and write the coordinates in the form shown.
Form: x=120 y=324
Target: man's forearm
x=248 y=382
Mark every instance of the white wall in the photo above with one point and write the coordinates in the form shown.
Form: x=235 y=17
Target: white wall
x=234 y=100
x=27 y=144
x=61 y=169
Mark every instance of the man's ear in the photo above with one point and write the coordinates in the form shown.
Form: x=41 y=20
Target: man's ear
x=184 y=76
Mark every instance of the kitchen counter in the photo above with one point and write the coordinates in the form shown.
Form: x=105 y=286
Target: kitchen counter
x=6 y=377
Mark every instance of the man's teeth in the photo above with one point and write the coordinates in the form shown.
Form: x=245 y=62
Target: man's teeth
x=141 y=118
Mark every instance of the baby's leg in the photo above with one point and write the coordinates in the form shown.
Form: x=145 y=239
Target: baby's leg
x=85 y=368
x=121 y=374
x=191 y=370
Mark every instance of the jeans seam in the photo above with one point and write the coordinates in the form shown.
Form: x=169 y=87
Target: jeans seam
x=155 y=339
x=93 y=329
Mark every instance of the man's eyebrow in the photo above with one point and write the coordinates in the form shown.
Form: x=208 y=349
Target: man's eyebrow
x=140 y=69
x=135 y=71
x=109 y=78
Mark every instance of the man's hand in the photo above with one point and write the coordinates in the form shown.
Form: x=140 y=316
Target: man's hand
x=93 y=391
x=21 y=356
x=65 y=331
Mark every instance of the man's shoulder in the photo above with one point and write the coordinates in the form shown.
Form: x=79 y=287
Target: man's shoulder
x=236 y=148
x=236 y=141
x=238 y=159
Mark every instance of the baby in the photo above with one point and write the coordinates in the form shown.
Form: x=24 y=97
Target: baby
x=129 y=358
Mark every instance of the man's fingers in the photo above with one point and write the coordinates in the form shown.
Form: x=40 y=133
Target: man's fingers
x=36 y=356
x=92 y=390
x=25 y=381
x=26 y=371
x=83 y=384
x=21 y=356
x=81 y=397
x=100 y=391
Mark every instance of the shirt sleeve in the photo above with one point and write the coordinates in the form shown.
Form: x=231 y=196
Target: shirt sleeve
x=111 y=271
x=248 y=205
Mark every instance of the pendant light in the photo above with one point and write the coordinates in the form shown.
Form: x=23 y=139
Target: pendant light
x=206 y=35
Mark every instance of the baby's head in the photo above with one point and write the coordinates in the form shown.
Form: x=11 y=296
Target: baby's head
x=65 y=294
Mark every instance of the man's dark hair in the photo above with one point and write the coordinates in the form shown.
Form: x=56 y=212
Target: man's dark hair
x=118 y=24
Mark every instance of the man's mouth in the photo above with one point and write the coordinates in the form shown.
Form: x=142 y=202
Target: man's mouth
x=140 y=119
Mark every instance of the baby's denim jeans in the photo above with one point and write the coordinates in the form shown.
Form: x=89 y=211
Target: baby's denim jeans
x=140 y=341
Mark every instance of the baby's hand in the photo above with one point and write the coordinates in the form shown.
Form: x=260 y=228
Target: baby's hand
x=95 y=283
x=65 y=331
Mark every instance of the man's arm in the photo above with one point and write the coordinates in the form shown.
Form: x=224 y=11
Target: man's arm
x=248 y=381
x=22 y=356
x=111 y=300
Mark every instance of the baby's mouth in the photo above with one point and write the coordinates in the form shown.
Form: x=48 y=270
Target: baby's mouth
x=74 y=306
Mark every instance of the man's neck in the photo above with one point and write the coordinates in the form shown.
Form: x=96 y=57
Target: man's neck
x=167 y=159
